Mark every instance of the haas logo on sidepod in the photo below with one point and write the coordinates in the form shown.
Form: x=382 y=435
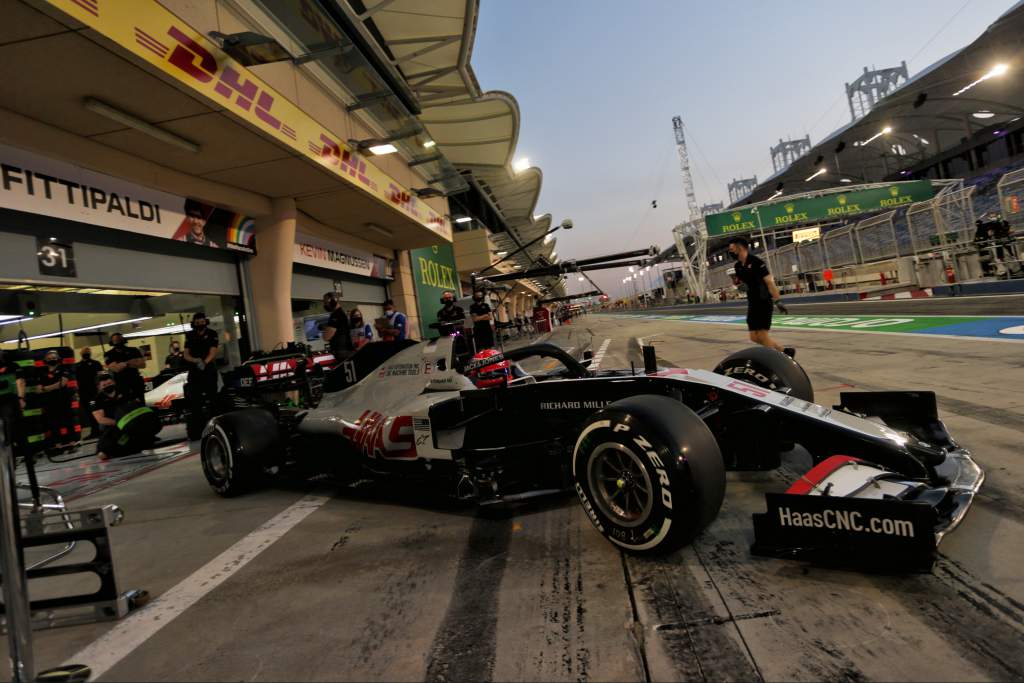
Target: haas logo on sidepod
x=381 y=436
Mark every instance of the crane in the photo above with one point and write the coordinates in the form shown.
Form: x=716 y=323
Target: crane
x=691 y=237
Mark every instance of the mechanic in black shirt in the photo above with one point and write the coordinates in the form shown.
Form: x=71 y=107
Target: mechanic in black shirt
x=126 y=426
x=201 y=346
x=761 y=293
x=480 y=311
x=86 y=370
x=175 y=360
x=337 y=331
x=123 y=362
x=450 y=312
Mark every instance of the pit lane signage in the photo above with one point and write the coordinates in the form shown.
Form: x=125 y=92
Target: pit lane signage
x=433 y=269
x=786 y=213
x=36 y=184
x=312 y=251
x=152 y=33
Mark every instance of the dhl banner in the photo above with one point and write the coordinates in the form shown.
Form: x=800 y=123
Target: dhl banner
x=153 y=33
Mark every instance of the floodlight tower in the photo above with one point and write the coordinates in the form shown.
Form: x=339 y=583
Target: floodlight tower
x=691 y=237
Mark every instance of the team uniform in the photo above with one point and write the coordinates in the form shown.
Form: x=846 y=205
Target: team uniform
x=759 y=298
x=136 y=426
x=129 y=381
x=340 y=344
x=483 y=335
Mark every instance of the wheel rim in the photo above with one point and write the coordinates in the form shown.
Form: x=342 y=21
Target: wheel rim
x=217 y=459
x=621 y=486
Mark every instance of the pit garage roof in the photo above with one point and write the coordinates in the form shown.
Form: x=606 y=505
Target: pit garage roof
x=429 y=47
x=925 y=115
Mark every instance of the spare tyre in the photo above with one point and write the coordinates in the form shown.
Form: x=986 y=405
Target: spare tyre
x=769 y=369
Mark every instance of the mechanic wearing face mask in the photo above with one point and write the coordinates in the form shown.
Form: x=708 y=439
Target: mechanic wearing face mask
x=126 y=426
x=175 y=360
x=336 y=331
x=56 y=403
x=362 y=332
x=761 y=294
x=392 y=327
x=450 y=312
x=480 y=310
x=124 y=362
x=201 y=346
x=85 y=373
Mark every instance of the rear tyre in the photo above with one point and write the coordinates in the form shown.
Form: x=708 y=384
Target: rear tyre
x=237 y=448
x=648 y=473
x=769 y=369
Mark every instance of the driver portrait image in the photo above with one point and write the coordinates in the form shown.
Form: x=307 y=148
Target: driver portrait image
x=196 y=216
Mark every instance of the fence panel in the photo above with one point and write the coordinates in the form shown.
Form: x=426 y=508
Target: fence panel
x=876 y=238
x=954 y=212
x=787 y=261
x=840 y=248
x=811 y=258
x=718 y=278
x=1011 y=198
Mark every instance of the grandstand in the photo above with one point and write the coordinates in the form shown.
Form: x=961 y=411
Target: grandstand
x=957 y=123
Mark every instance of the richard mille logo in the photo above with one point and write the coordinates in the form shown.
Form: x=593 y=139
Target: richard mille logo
x=573 y=405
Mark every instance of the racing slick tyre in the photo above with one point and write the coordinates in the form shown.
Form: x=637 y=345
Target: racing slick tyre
x=236 y=449
x=769 y=369
x=648 y=473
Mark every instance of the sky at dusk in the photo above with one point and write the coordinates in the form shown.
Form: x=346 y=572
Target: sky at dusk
x=598 y=83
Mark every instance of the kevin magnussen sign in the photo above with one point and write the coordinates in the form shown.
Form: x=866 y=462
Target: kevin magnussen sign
x=315 y=252
x=36 y=184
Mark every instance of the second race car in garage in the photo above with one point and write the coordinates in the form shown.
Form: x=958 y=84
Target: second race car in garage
x=646 y=452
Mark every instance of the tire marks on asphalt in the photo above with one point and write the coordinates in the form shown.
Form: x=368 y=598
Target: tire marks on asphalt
x=465 y=644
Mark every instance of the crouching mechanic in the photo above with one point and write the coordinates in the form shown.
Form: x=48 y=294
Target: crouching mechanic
x=126 y=425
x=761 y=294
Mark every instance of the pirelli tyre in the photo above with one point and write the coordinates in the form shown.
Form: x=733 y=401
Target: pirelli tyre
x=648 y=473
x=770 y=369
x=237 y=448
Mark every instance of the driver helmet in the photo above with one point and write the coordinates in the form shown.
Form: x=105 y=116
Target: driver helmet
x=488 y=369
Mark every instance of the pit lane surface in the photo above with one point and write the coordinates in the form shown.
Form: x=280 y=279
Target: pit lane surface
x=373 y=583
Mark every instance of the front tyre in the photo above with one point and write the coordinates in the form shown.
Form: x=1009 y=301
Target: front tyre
x=648 y=473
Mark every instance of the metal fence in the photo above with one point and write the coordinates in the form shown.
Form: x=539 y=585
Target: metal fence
x=1011 y=197
x=876 y=238
x=945 y=219
x=840 y=247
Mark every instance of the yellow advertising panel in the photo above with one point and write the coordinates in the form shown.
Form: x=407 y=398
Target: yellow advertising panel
x=150 y=31
x=806 y=235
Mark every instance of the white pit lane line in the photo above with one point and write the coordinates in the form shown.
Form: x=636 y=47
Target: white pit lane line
x=138 y=627
x=595 y=363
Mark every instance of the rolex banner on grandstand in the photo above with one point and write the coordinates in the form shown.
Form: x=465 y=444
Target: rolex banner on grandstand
x=834 y=206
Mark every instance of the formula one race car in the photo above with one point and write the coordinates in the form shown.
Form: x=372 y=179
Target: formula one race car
x=646 y=452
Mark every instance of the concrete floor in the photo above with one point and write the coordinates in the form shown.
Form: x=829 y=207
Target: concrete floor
x=373 y=584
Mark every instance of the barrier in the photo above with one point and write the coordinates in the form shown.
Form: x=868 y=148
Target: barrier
x=840 y=247
x=1011 y=198
x=876 y=237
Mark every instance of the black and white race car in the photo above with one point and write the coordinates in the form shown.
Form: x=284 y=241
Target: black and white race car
x=645 y=451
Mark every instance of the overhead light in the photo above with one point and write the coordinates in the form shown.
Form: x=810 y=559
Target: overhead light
x=997 y=132
x=380 y=150
x=382 y=231
x=81 y=329
x=501 y=253
x=997 y=70
x=463 y=219
x=104 y=109
x=429 y=143
x=815 y=175
x=845 y=180
x=581 y=278
x=631 y=269
x=8 y=319
x=521 y=164
x=775 y=194
x=884 y=131
x=920 y=139
x=983 y=114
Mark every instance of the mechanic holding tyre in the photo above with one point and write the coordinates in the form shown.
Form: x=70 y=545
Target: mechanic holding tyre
x=201 y=346
x=761 y=294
